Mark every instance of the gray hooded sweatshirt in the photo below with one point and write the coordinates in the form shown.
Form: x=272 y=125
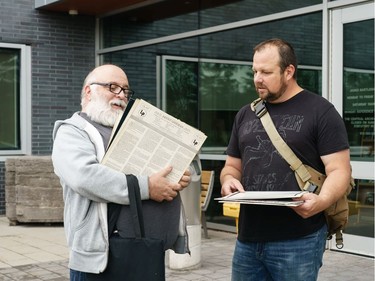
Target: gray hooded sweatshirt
x=87 y=188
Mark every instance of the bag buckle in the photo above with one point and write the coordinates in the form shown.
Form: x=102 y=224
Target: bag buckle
x=312 y=187
x=260 y=109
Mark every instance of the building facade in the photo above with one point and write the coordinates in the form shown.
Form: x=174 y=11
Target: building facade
x=193 y=60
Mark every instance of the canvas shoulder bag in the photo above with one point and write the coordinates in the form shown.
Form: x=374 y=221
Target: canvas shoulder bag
x=307 y=177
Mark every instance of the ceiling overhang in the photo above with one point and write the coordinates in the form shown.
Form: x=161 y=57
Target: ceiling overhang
x=140 y=10
x=92 y=7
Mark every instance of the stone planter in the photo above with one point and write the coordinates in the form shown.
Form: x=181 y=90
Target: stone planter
x=32 y=191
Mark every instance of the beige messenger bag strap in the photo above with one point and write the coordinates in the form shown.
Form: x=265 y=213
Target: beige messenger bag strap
x=295 y=163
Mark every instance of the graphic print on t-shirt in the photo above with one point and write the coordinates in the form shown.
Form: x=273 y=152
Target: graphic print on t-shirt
x=265 y=168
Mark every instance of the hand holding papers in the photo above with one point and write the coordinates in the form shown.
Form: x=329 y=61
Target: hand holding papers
x=273 y=198
x=147 y=140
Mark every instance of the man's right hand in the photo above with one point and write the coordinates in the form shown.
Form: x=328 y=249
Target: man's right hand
x=230 y=176
x=160 y=188
x=231 y=185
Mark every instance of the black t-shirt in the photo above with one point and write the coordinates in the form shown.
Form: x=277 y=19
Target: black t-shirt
x=312 y=127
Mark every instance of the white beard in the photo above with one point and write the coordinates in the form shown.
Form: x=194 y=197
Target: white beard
x=101 y=112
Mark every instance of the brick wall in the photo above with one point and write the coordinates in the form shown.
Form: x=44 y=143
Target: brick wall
x=63 y=52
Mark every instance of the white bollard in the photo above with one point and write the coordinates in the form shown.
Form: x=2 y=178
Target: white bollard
x=186 y=261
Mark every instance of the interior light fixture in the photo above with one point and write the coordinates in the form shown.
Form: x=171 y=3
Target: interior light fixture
x=73 y=12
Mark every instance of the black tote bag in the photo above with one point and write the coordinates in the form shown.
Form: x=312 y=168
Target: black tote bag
x=133 y=259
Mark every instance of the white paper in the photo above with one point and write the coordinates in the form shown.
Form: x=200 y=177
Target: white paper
x=150 y=139
x=273 y=198
x=266 y=202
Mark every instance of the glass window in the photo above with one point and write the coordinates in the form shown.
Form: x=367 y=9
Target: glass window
x=247 y=9
x=124 y=28
x=10 y=99
x=15 y=107
x=163 y=19
x=181 y=80
x=212 y=90
x=204 y=80
x=361 y=209
x=223 y=86
x=358 y=88
x=207 y=92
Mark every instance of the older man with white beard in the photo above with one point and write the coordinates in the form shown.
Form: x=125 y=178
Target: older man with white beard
x=88 y=186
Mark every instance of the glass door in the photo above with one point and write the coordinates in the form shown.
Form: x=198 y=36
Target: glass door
x=352 y=93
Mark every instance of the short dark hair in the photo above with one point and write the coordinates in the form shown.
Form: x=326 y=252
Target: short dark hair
x=286 y=53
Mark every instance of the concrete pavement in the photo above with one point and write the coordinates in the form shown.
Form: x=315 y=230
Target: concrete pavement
x=35 y=252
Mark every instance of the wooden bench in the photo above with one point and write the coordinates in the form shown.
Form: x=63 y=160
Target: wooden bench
x=232 y=210
x=207 y=183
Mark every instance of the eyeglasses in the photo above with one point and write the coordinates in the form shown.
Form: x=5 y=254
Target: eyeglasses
x=116 y=89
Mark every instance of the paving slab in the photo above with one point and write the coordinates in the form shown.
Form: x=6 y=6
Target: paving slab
x=36 y=252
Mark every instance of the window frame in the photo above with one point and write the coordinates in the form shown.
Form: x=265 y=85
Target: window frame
x=25 y=101
x=211 y=152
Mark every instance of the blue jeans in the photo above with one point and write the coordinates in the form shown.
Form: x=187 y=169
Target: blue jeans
x=77 y=275
x=297 y=260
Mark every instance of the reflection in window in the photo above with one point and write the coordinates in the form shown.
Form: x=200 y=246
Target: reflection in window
x=358 y=88
x=182 y=86
x=211 y=102
x=361 y=209
x=224 y=87
x=165 y=19
x=359 y=113
x=10 y=98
